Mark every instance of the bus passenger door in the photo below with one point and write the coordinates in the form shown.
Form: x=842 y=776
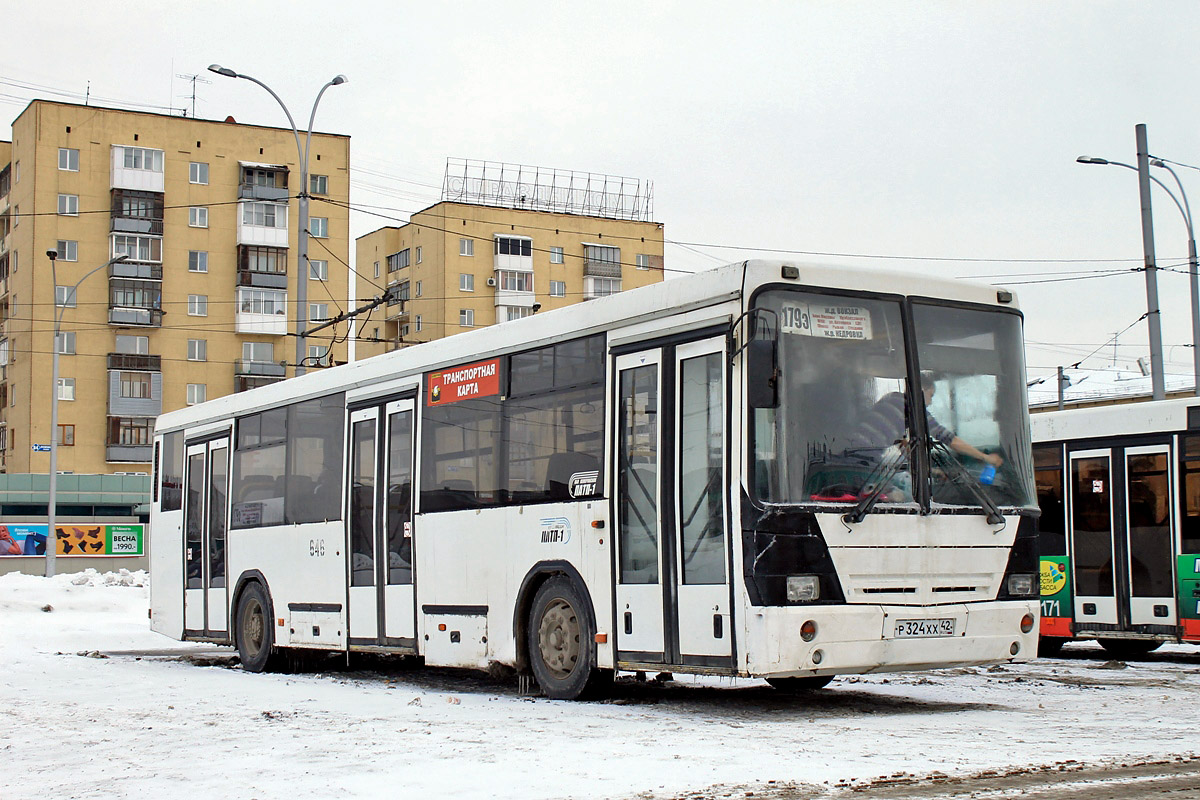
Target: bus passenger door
x=381 y=602
x=701 y=557
x=1150 y=546
x=640 y=633
x=1091 y=528
x=206 y=493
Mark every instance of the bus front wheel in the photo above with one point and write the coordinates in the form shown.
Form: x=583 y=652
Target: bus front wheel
x=255 y=634
x=798 y=685
x=560 y=642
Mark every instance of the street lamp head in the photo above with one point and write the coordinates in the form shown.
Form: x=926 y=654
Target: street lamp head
x=1091 y=160
x=226 y=71
x=338 y=80
x=52 y=254
x=1157 y=162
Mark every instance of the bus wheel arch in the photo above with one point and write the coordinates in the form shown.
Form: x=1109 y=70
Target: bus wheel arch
x=252 y=623
x=555 y=588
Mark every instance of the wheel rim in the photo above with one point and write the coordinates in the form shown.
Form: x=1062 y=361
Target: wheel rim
x=253 y=627
x=558 y=638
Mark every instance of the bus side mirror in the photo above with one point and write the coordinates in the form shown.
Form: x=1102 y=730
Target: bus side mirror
x=762 y=372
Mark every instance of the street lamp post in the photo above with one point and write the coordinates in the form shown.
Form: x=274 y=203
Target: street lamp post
x=52 y=499
x=302 y=238
x=1193 y=267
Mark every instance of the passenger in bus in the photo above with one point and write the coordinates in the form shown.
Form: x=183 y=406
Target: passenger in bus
x=885 y=425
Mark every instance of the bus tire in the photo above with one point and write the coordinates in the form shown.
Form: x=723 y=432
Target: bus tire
x=1050 y=646
x=255 y=633
x=1129 y=649
x=800 y=685
x=561 y=651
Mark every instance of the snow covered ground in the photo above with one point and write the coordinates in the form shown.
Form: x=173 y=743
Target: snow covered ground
x=143 y=724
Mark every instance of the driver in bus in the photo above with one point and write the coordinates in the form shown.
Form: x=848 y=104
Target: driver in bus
x=884 y=425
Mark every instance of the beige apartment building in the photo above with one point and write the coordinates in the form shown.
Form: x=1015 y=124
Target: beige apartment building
x=459 y=265
x=204 y=304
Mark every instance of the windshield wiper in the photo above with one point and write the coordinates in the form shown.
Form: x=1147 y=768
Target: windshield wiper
x=884 y=479
x=960 y=476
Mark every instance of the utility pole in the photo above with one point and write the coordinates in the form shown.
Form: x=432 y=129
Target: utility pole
x=1153 y=316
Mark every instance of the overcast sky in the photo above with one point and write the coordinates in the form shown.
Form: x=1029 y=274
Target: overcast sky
x=943 y=132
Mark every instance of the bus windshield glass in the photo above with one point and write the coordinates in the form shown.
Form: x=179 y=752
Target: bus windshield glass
x=842 y=429
x=973 y=381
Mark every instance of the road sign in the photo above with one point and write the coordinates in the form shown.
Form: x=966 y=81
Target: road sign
x=41 y=448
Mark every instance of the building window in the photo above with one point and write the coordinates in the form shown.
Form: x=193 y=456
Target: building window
x=418 y=294
x=197 y=261
x=64 y=296
x=417 y=319
x=266 y=215
x=130 y=431
x=68 y=250
x=197 y=305
x=466 y=318
x=65 y=344
x=602 y=287
x=397 y=261
x=319 y=227
x=511 y=281
x=124 y=293
x=318 y=184
x=262 y=301
x=68 y=159
x=403 y=331
x=198 y=217
x=418 y=255
x=143 y=158
x=138 y=248
x=262 y=259
x=643 y=261
x=135 y=385
x=376 y=269
x=513 y=246
x=66 y=388
x=68 y=205
x=466 y=282
x=198 y=173
x=196 y=393
x=556 y=255
x=318 y=312
x=558 y=288
x=133 y=345
x=66 y=435
x=261 y=352
x=197 y=350
x=318 y=270
x=514 y=312
x=466 y=247
x=318 y=355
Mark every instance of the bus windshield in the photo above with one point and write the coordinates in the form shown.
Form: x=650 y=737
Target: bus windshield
x=843 y=426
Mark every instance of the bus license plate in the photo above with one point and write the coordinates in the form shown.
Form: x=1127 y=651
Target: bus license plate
x=924 y=628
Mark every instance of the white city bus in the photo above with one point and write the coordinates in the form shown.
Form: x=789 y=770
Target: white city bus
x=1119 y=488
x=673 y=478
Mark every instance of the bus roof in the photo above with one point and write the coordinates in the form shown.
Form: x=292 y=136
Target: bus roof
x=1114 y=420
x=674 y=296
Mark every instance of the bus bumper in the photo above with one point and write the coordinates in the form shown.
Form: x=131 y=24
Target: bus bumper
x=858 y=639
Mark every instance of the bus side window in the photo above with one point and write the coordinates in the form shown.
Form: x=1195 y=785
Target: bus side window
x=1189 y=524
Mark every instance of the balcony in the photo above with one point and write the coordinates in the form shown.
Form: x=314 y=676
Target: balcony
x=129 y=453
x=135 y=317
x=263 y=181
x=245 y=367
x=137 y=225
x=136 y=271
x=244 y=383
x=247 y=191
x=262 y=280
x=261 y=311
x=262 y=224
x=135 y=362
x=139 y=169
x=121 y=406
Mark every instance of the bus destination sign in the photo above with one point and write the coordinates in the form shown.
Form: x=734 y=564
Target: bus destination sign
x=481 y=379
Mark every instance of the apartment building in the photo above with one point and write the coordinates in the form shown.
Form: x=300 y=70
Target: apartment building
x=505 y=241
x=204 y=302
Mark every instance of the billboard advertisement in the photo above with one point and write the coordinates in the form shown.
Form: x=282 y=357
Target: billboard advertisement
x=29 y=539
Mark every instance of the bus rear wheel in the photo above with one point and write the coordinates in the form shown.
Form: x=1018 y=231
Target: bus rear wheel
x=1050 y=646
x=255 y=635
x=799 y=685
x=560 y=640
x=1128 y=649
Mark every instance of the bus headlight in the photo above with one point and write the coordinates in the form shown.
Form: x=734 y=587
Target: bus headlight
x=1020 y=584
x=803 y=588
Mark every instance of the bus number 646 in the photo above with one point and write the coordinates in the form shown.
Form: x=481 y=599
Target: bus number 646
x=316 y=547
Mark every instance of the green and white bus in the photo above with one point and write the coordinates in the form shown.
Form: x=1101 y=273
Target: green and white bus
x=672 y=478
